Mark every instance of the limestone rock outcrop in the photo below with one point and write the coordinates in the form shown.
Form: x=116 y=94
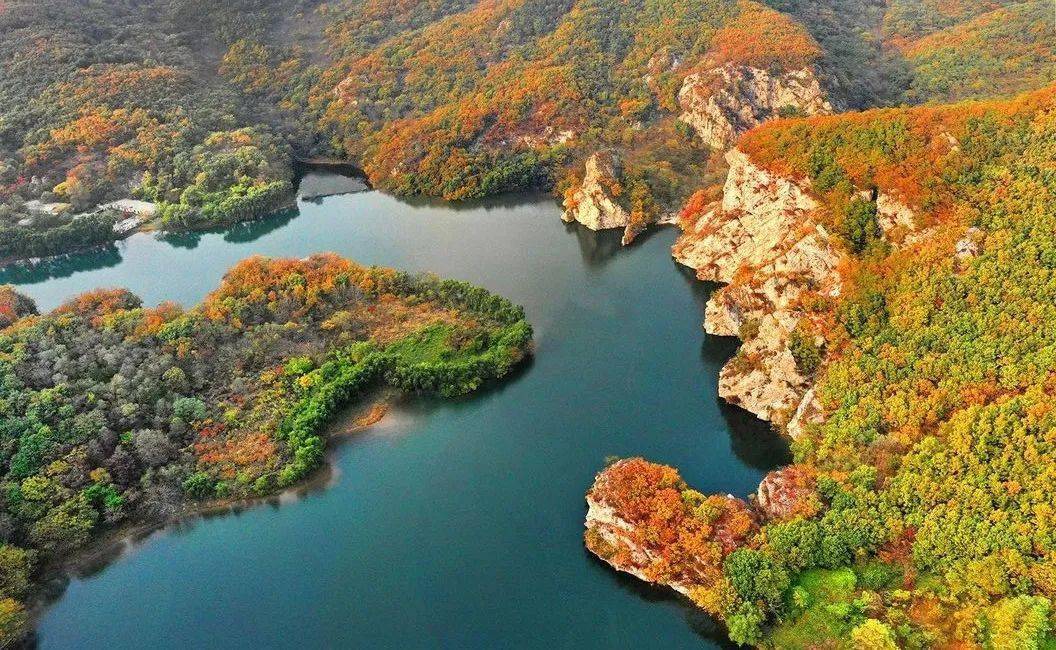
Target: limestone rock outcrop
x=622 y=531
x=595 y=202
x=722 y=103
x=762 y=378
x=970 y=245
x=763 y=242
x=786 y=492
x=893 y=215
x=756 y=222
x=615 y=541
x=807 y=413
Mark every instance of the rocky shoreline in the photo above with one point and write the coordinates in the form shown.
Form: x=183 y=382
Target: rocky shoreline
x=764 y=241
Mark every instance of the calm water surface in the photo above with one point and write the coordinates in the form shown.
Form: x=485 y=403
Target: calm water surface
x=447 y=525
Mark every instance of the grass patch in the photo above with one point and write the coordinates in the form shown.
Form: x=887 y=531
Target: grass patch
x=431 y=344
x=440 y=343
x=821 y=606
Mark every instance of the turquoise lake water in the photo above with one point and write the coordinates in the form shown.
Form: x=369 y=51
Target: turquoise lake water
x=449 y=524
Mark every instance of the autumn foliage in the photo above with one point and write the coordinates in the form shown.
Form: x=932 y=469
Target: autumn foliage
x=13 y=306
x=763 y=38
x=919 y=512
x=673 y=535
x=118 y=413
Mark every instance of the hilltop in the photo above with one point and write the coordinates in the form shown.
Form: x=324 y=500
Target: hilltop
x=201 y=110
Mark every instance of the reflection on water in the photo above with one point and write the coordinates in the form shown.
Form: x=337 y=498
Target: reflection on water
x=184 y=239
x=701 y=291
x=250 y=231
x=600 y=247
x=243 y=232
x=319 y=184
x=597 y=248
x=753 y=440
x=451 y=523
x=61 y=267
x=702 y=624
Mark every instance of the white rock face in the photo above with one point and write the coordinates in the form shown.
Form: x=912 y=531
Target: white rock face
x=548 y=137
x=970 y=245
x=782 y=491
x=723 y=103
x=630 y=547
x=892 y=214
x=763 y=378
x=617 y=532
x=808 y=412
x=593 y=203
x=752 y=226
x=763 y=241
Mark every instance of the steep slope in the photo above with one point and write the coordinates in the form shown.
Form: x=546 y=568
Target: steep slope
x=201 y=108
x=104 y=101
x=917 y=511
x=556 y=79
x=1003 y=51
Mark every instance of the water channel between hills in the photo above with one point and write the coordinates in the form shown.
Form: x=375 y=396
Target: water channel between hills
x=448 y=524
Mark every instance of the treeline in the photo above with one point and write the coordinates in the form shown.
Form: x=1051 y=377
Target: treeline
x=238 y=203
x=926 y=481
x=450 y=293
x=111 y=412
x=456 y=99
x=17 y=242
x=90 y=113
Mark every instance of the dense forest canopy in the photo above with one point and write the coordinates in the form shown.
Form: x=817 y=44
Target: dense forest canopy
x=111 y=412
x=923 y=511
x=921 y=501
x=201 y=108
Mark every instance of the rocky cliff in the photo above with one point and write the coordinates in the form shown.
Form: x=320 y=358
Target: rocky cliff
x=786 y=493
x=642 y=519
x=598 y=201
x=763 y=242
x=595 y=202
x=722 y=103
x=681 y=548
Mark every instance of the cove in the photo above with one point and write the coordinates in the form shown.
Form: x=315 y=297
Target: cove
x=447 y=524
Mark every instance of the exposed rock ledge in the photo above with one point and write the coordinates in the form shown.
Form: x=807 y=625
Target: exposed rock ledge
x=621 y=528
x=682 y=544
x=596 y=204
x=627 y=553
x=763 y=241
x=722 y=103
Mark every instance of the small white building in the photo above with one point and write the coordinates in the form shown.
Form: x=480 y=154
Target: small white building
x=126 y=226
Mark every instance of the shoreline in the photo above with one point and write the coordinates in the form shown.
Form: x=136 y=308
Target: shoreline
x=115 y=544
x=145 y=227
x=300 y=166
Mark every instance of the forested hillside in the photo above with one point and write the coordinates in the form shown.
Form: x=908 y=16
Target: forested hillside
x=101 y=101
x=112 y=413
x=918 y=512
x=200 y=109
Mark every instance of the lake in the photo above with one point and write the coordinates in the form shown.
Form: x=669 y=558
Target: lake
x=448 y=524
